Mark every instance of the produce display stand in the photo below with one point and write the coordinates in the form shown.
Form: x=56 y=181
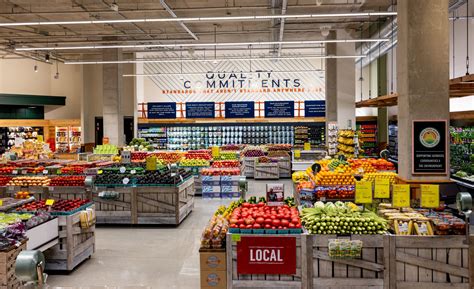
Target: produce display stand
x=248 y=166
x=75 y=244
x=235 y=280
x=146 y=204
x=16 y=203
x=69 y=193
x=267 y=171
x=284 y=164
x=306 y=159
x=387 y=262
x=38 y=192
x=8 y=279
x=43 y=236
x=213 y=268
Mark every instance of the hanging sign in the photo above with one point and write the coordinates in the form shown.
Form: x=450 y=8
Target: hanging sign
x=429 y=196
x=401 y=196
x=382 y=189
x=279 y=108
x=429 y=145
x=297 y=154
x=266 y=255
x=240 y=109
x=315 y=108
x=363 y=192
x=200 y=110
x=161 y=110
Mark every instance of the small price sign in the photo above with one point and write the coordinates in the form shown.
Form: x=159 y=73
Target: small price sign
x=215 y=152
x=429 y=196
x=236 y=237
x=401 y=196
x=307 y=146
x=1 y=202
x=151 y=163
x=133 y=172
x=58 y=172
x=45 y=172
x=125 y=181
x=297 y=154
x=49 y=202
x=122 y=170
x=382 y=189
x=363 y=192
x=99 y=172
x=14 y=172
x=24 y=172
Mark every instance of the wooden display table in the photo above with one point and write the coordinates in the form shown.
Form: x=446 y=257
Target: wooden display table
x=8 y=279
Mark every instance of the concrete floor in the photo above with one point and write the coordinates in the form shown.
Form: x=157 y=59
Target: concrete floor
x=149 y=257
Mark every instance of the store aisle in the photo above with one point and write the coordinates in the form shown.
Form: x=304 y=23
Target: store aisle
x=149 y=257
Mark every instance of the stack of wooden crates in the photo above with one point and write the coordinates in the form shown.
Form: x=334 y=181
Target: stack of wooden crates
x=8 y=279
x=213 y=268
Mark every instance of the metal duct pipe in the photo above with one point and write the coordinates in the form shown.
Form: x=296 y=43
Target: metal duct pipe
x=170 y=11
x=284 y=4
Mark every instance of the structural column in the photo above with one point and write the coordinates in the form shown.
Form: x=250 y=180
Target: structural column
x=422 y=72
x=112 y=97
x=340 y=82
x=382 y=112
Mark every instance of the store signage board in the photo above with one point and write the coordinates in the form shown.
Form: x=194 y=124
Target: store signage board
x=307 y=146
x=382 y=189
x=401 y=196
x=315 y=108
x=429 y=196
x=275 y=194
x=266 y=255
x=215 y=150
x=429 y=145
x=200 y=110
x=279 y=108
x=157 y=110
x=151 y=163
x=240 y=109
x=363 y=192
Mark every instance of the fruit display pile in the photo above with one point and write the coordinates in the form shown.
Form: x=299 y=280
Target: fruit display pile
x=278 y=154
x=22 y=195
x=231 y=147
x=220 y=172
x=335 y=192
x=253 y=151
x=58 y=206
x=226 y=164
x=198 y=154
x=227 y=155
x=111 y=178
x=299 y=176
x=194 y=163
x=362 y=166
x=252 y=218
x=4 y=180
x=279 y=147
x=266 y=160
x=329 y=178
x=29 y=181
x=169 y=157
x=12 y=218
x=70 y=181
x=341 y=218
x=72 y=170
x=7 y=170
x=138 y=156
x=215 y=232
x=162 y=177
x=371 y=177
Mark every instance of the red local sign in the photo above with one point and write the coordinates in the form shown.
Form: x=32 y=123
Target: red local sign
x=266 y=255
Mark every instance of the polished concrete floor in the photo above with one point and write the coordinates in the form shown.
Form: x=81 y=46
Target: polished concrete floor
x=149 y=257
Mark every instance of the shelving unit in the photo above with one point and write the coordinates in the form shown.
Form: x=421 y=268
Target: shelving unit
x=313 y=134
x=368 y=137
x=67 y=138
x=9 y=134
x=393 y=140
x=156 y=136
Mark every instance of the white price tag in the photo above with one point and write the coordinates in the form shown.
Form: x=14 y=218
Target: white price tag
x=14 y=172
x=123 y=170
x=24 y=172
x=125 y=181
x=45 y=172
x=133 y=172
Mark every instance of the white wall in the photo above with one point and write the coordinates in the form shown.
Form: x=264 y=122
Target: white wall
x=18 y=76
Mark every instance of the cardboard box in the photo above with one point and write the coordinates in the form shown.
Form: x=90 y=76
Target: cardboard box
x=211 y=178
x=211 y=189
x=213 y=279
x=229 y=189
x=230 y=195
x=215 y=195
x=213 y=261
x=231 y=178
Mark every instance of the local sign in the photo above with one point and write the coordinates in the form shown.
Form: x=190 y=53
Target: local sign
x=266 y=255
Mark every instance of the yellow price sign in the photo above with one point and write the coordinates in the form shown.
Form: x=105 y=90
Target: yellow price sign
x=307 y=146
x=236 y=237
x=1 y=202
x=151 y=163
x=99 y=172
x=49 y=202
x=297 y=154
x=382 y=189
x=215 y=152
x=363 y=192
x=40 y=138
x=429 y=196
x=401 y=196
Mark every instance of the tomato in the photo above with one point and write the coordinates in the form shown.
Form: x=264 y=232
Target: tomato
x=285 y=223
x=279 y=216
x=233 y=226
x=242 y=226
x=248 y=227
x=276 y=222
x=256 y=226
x=245 y=205
x=268 y=221
x=291 y=225
x=295 y=221
x=273 y=217
x=240 y=221
x=273 y=228
x=233 y=221
x=260 y=220
x=261 y=204
x=280 y=227
x=267 y=226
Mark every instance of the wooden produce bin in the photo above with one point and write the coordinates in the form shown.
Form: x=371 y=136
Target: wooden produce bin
x=74 y=246
x=235 y=280
x=8 y=279
x=267 y=171
x=213 y=268
x=248 y=167
x=35 y=191
x=68 y=193
x=164 y=204
x=431 y=262
x=368 y=272
x=284 y=164
x=117 y=211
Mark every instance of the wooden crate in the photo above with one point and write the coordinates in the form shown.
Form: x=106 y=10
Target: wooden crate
x=267 y=171
x=35 y=191
x=164 y=205
x=115 y=211
x=433 y=262
x=75 y=244
x=367 y=272
x=284 y=164
x=68 y=193
x=8 y=279
x=248 y=167
x=235 y=280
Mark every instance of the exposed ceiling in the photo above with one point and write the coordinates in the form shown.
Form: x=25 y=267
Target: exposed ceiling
x=171 y=32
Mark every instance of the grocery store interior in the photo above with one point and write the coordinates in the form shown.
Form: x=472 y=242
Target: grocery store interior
x=301 y=144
